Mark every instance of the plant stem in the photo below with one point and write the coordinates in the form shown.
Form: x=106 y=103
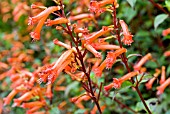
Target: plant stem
x=124 y=106
x=159 y=7
x=124 y=59
x=80 y=57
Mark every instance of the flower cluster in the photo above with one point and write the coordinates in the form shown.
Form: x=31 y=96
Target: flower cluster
x=84 y=51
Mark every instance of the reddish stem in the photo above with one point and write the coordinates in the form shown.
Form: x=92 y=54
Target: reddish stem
x=124 y=59
x=80 y=57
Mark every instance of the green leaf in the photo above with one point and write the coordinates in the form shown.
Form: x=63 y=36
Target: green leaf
x=151 y=103
x=129 y=14
x=159 y=19
x=131 y=55
x=126 y=84
x=167 y=4
x=80 y=111
x=54 y=110
x=131 y=2
x=143 y=77
x=168 y=71
x=71 y=86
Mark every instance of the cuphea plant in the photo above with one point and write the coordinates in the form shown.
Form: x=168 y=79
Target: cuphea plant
x=86 y=53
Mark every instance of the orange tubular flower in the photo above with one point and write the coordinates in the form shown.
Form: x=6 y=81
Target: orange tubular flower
x=81 y=30
x=32 y=110
x=106 y=47
x=57 y=42
x=34 y=6
x=32 y=81
x=167 y=53
x=166 y=32
x=52 y=71
x=1 y=106
x=94 y=36
x=59 y=20
x=95 y=61
x=81 y=16
x=36 y=34
x=94 y=110
x=163 y=75
x=98 y=70
x=8 y=99
x=97 y=6
x=151 y=81
x=25 y=97
x=117 y=82
x=162 y=87
x=60 y=88
x=49 y=93
x=62 y=58
x=53 y=76
x=127 y=39
x=33 y=104
x=142 y=61
x=45 y=13
x=111 y=57
x=92 y=50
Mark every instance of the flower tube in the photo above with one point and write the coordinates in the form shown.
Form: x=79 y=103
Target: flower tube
x=45 y=13
x=118 y=82
x=127 y=39
x=59 y=20
x=151 y=81
x=142 y=61
x=162 y=87
x=163 y=75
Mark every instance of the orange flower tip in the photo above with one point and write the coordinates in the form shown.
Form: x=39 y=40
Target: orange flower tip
x=35 y=35
x=159 y=92
x=31 y=21
x=33 y=6
x=49 y=95
x=98 y=55
x=97 y=72
x=55 y=41
x=108 y=87
x=48 y=22
x=23 y=105
x=16 y=103
x=74 y=99
x=39 y=80
x=166 y=32
x=116 y=83
x=109 y=62
x=102 y=40
x=94 y=6
x=148 y=86
x=167 y=53
x=162 y=81
x=127 y=40
x=105 y=28
x=6 y=101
